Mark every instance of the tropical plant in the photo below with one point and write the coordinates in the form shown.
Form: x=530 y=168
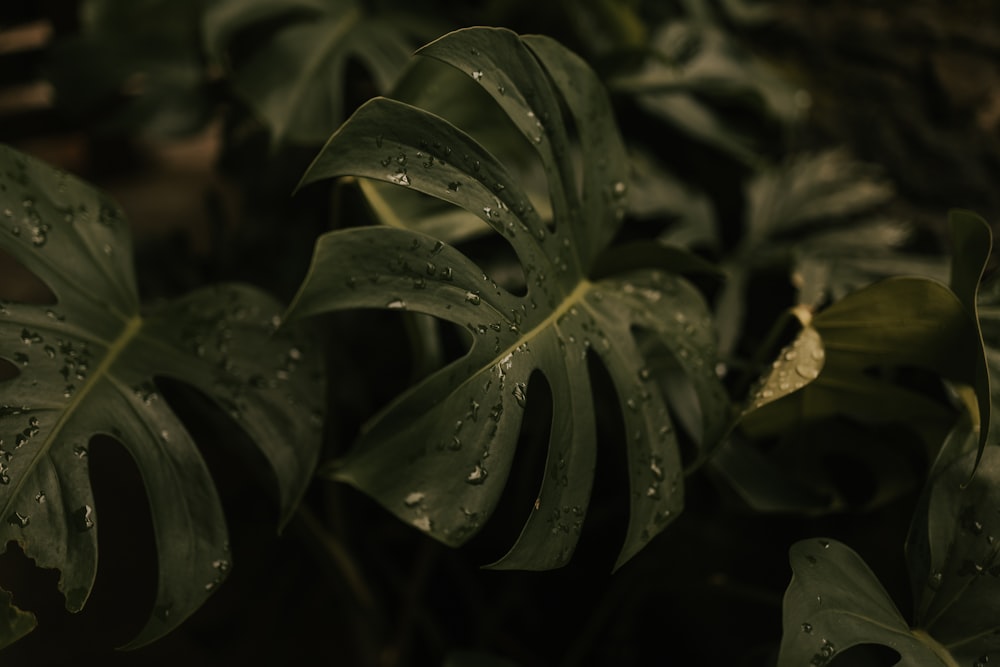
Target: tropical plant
x=88 y=363
x=524 y=334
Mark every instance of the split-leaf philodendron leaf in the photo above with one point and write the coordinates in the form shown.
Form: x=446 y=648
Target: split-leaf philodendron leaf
x=439 y=455
x=88 y=364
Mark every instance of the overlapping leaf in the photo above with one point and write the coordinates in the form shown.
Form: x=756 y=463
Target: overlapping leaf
x=453 y=95
x=440 y=454
x=814 y=210
x=292 y=71
x=952 y=551
x=835 y=602
x=837 y=367
x=88 y=365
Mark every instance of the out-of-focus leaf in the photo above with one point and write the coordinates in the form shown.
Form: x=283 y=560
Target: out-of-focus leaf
x=694 y=64
x=476 y=659
x=653 y=192
x=827 y=275
x=439 y=455
x=835 y=601
x=813 y=205
x=606 y=28
x=809 y=191
x=142 y=60
x=88 y=365
x=288 y=58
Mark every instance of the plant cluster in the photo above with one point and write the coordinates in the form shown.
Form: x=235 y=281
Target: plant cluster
x=666 y=345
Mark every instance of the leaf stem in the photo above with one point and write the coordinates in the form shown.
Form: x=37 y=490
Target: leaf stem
x=935 y=647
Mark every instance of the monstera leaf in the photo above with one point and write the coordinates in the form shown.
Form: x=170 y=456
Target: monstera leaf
x=88 y=365
x=440 y=454
x=288 y=59
x=455 y=96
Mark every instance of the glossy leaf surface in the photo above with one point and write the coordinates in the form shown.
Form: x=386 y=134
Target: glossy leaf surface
x=835 y=602
x=88 y=364
x=439 y=455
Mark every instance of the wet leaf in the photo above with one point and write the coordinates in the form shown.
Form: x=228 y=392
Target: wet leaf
x=89 y=364
x=458 y=98
x=896 y=323
x=294 y=72
x=841 y=365
x=834 y=602
x=439 y=455
x=953 y=552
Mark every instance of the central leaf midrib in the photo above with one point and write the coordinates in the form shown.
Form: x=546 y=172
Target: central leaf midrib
x=132 y=327
x=573 y=298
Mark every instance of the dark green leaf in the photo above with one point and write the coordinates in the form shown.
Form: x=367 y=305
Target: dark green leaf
x=835 y=602
x=952 y=550
x=293 y=73
x=140 y=59
x=88 y=365
x=440 y=454
x=899 y=322
x=455 y=96
x=972 y=240
x=840 y=366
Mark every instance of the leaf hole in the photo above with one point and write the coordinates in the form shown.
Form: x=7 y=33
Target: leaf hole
x=527 y=474
x=379 y=344
x=678 y=391
x=19 y=285
x=607 y=518
x=125 y=585
x=8 y=371
x=866 y=655
x=125 y=588
x=34 y=589
x=237 y=466
x=499 y=263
